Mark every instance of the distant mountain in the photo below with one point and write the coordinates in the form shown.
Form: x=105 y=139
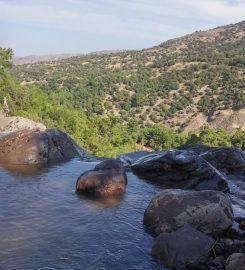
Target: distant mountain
x=183 y=83
x=32 y=59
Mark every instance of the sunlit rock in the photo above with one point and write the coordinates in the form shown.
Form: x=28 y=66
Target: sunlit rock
x=107 y=179
x=208 y=211
x=38 y=147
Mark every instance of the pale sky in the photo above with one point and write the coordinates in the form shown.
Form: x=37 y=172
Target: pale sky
x=80 y=26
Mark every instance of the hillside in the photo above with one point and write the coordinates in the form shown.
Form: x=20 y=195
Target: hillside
x=32 y=59
x=197 y=78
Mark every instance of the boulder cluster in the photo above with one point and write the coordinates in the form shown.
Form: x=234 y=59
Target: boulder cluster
x=192 y=217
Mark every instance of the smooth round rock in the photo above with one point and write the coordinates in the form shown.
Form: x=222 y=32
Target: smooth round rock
x=107 y=179
x=186 y=245
x=208 y=211
x=235 y=261
x=38 y=147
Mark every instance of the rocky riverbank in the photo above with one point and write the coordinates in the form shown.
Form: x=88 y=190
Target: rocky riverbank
x=192 y=218
x=193 y=222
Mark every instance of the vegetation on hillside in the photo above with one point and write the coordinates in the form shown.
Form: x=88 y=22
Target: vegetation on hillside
x=122 y=102
x=168 y=84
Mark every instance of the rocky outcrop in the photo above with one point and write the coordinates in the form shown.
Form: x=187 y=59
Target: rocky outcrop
x=180 y=169
x=208 y=211
x=196 y=148
x=186 y=245
x=225 y=158
x=38 y=147
x=236 y=261
x=107 y=179
x=15 y=123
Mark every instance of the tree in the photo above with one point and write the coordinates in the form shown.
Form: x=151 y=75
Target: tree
x=5 y=60
x=238 y=139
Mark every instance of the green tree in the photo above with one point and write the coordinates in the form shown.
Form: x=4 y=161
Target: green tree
x=238 y=139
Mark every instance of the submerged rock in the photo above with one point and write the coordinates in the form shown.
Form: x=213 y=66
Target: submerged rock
x=38 y=147
x=180 y=169
x=236 y=261
x=208 y=211
x=107 y=179
x=186 y=245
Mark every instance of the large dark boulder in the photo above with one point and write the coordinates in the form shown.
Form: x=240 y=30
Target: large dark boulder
x=186 y=245
x=38 y=147
x=180 y=169
x=225 y=158
x=208 y=211
x=236 y=261
x=107 y=179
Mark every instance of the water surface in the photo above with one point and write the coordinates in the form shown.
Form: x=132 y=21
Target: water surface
x=44 y=224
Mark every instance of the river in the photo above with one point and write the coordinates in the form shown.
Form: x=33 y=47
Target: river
x=45 y=225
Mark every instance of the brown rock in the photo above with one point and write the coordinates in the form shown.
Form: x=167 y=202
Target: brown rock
x=107 y=179
x=37 y=147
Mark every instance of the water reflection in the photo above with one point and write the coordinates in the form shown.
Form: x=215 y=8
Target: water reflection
x=99 y=203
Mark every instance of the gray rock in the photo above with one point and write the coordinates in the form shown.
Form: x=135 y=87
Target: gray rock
x=196 y=148
x=38 y=147
x=180 y=169
x=235 y=261
x=225 y=158
x=186 y=245
x=208 y=211
x=107 y=179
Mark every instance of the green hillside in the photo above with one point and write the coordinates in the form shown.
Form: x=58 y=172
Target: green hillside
x=122 y=101
x=168 y=84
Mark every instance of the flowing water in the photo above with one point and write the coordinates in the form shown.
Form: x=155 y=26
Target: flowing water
x=45 y=225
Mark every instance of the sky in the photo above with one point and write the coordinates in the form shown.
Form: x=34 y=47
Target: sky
x=36 y=27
